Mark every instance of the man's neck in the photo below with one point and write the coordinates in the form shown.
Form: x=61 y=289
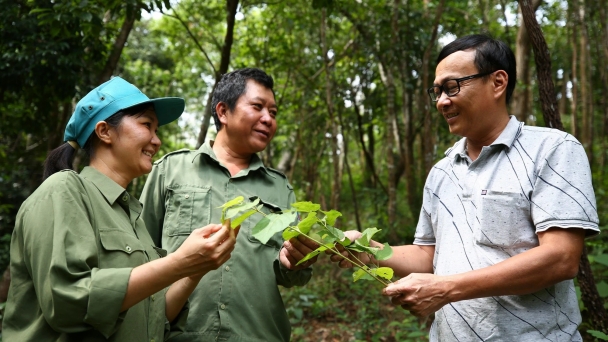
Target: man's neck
x=234 y=161
x=475 y=144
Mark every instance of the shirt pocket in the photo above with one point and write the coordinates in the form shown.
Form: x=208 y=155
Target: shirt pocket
x=120 y=249
x=268 y=207
x=504 y=221
x=188 y=208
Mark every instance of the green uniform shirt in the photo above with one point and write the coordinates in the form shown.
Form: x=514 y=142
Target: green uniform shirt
x=76 y=240
x=240 y=301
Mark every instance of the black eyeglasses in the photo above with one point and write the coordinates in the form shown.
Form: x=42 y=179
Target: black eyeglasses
x=451 y=87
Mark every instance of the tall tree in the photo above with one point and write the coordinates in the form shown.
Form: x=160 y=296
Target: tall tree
x=589 y=293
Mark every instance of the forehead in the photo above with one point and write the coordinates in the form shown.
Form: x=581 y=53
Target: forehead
x=255 y=90
x=458 y=64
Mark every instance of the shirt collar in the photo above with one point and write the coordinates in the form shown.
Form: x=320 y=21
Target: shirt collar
x=255 y=163
x=108 y=188
x=507 y=138
x=510 y=133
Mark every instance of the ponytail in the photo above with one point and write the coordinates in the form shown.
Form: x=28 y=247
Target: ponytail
x=58 y=159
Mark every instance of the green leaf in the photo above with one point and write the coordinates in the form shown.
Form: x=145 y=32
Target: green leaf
x=361 y=274
x=314 y=253
x=331 y=216
x=358 y=247
x=263 y=231
x=233 y=202
x=305 y=207
x=383 y=272
x=345 y=242
x=366 y=236
x=385 y=253
x=335 y=232
x=229 y=204
x=307 y=222
x=602 y=259
x=237 y=208
x=598 y=334
x=237 y=221
x=290 y=233
x=602 y=289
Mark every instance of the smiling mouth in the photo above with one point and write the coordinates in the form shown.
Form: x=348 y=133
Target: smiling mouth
x=148 y=154
x=266 y=134
x=451 y=115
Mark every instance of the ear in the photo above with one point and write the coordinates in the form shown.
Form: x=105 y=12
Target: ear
x=501 y=80
x=222 y=111
x=102 y=129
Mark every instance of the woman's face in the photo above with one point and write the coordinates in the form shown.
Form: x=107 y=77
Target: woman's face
x=135 y=143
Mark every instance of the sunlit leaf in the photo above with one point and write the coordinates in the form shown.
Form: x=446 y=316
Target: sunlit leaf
x=314 y=253
x=237 y=221
x=233 y=202
x=361 y=274
x=307 y=223
x=238 y=208
x=276 y=223
x=305 y=207
x=335 y=232
x=345 y=242
x=290 y=233
x=366 y=236
x=384 y=272
x=385 y=253
x=331 y=216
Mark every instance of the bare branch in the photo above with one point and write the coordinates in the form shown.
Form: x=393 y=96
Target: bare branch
x=200 y=47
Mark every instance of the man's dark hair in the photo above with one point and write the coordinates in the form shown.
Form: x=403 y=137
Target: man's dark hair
x=490 y=55
x=234 y=84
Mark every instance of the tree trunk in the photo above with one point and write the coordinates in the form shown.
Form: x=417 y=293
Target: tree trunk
x=336 y=155
x=520 y=104
x=119 y=44
x=585 y=96
x=231 y=7
x=589 y=293
x=543 y=66
x=428 y=139
x=572 y=14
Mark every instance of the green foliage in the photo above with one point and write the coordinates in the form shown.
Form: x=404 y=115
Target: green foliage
x=598 y=334
x=317 y=226
x=333 y=308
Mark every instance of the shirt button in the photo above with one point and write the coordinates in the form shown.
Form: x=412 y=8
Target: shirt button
x=227 y=268
x=152 y=297
x=125 y=198
x=187 y=196
x=128 y=248
x=223 y=307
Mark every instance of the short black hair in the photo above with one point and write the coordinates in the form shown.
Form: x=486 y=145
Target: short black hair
x=490 y=55
x=234 y=84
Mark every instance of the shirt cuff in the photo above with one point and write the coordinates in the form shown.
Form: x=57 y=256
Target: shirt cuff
x=108 y=290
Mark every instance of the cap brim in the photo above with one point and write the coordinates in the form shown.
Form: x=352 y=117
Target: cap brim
x=168 y=109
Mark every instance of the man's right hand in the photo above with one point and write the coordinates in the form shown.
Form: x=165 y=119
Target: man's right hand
x=352 y=235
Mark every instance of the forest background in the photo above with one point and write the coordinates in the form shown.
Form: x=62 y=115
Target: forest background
x=356 y=130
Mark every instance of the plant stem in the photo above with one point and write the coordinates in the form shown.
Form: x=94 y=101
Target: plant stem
x=334 y=250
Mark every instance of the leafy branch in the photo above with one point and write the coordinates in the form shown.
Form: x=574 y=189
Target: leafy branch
x=318 y=226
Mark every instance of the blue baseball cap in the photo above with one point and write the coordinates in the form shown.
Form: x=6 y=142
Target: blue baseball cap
x=108 y=99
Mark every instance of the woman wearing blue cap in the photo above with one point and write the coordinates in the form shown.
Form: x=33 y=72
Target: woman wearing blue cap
x=83 y=265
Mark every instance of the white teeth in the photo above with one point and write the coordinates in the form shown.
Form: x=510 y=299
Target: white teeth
x=449 y=116
x=148 y=154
